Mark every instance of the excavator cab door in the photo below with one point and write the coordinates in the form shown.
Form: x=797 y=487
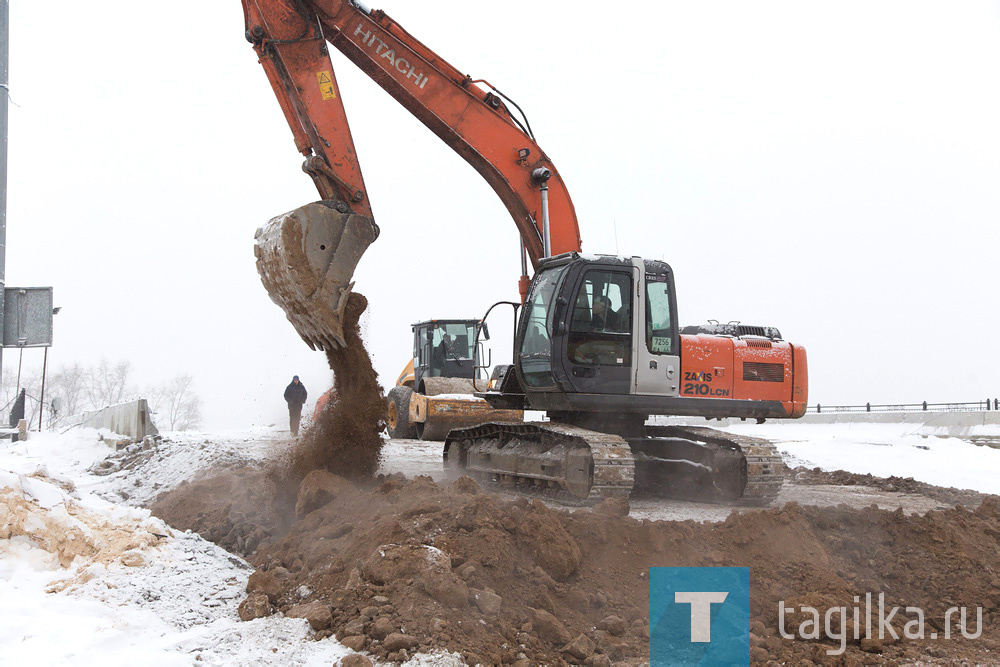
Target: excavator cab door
x=656 y=351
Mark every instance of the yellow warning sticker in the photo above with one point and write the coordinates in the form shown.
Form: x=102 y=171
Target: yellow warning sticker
x=325 y=80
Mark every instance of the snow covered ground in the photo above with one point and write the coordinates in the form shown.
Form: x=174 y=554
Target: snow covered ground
x=88 y=581
x=904 y=450
x=89 y=576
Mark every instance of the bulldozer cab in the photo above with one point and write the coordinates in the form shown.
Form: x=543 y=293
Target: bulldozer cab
x=445 y=348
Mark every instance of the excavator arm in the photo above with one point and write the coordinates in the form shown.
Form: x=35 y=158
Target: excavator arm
x=291 y=38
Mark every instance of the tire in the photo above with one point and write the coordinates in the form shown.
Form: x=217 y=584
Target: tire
x=397 y=418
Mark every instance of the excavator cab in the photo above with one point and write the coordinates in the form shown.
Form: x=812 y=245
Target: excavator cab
x=603 y=325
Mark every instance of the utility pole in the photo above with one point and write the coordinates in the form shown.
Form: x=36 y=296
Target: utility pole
x=4 y=93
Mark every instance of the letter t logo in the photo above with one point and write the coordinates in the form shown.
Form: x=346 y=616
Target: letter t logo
x=701 y=612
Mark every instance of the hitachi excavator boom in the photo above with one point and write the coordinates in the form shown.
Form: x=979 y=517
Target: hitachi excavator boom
x=306 y=258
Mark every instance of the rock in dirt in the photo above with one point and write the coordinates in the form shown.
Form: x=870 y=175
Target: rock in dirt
x=430 y=567
x=488 y=603
x=548 y=627
x=317 y=489
x=354 y=642
x=264 y=582
x=447 y=589
x=255 y=606
x=397 y=641
x=580 y=648
x=554 y=549
x=317 y=613
x=355 y=627
x=382 y=628
x=613 y=625
x=356 y=660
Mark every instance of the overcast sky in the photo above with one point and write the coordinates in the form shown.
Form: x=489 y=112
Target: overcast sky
x=828 y=168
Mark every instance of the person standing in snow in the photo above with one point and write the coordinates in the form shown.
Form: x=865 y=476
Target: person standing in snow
x=295 y=396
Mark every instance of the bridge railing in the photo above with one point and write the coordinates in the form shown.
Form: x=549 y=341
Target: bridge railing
x=967 y=406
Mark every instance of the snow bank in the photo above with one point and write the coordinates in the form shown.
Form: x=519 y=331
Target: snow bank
x=885 y=450
x=85 y=579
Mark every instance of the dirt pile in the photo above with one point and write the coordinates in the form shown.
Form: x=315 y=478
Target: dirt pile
x=949 y=495
x=413 y=566
x=346 y=438
x=237 y=510
x=241 y=508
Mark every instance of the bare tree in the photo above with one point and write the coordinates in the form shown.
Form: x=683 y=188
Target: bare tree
x=176 y=405
x=70 y=384
x=8 y=390
x=108 y=383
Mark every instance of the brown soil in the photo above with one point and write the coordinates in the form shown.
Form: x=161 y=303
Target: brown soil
x=236 y=509
x=412 y=566
x=948 y=495
x=346 y=438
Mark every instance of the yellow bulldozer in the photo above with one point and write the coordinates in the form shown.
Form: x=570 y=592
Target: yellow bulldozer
x=435 y=391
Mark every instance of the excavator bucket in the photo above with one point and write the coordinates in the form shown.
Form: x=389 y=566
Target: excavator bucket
x=306 y=259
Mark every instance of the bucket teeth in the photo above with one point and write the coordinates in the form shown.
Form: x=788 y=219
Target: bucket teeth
x=306 y=259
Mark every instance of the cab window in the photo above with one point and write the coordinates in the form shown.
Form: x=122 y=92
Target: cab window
x=659 y=328
x=535 y=354
x=451 y=344
x=601 y=324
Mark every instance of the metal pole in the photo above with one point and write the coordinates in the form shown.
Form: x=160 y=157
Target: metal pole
x=4 y=91
x=41 y=402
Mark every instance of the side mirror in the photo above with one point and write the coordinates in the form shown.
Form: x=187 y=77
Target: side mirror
x=486 y=331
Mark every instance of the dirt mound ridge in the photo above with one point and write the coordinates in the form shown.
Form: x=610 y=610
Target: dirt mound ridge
x=413 y=566
x=950 y=495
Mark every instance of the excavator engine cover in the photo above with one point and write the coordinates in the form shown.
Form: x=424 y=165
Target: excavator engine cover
x=306 y=259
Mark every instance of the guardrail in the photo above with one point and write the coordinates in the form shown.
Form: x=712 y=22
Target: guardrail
x=969 y=406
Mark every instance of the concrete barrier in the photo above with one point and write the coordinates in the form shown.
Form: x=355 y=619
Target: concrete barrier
x=132 y=419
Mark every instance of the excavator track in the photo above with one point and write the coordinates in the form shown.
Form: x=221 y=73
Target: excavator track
x=576 y=466
x=568 y=464
x=700 y=463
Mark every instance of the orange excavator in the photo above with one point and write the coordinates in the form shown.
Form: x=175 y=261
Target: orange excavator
x=597 y=343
